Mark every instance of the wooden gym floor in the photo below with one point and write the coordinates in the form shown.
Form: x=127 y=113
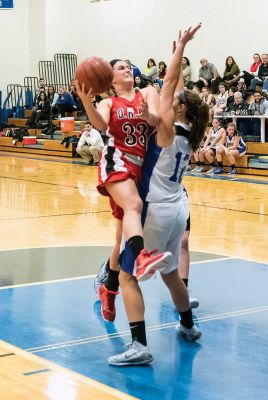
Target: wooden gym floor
x=53 y=204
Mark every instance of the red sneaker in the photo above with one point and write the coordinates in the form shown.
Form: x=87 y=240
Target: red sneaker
x=147 y=263
x=107 y=298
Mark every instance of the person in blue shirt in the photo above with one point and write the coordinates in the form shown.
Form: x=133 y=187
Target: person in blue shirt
x=65 y=102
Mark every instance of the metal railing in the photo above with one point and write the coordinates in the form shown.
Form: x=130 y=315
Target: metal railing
x=31 y=87
x=47 y=71
x=65 y=66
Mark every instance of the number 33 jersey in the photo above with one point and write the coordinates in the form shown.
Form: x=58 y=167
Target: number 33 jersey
x=127 y=131
x=164 y=168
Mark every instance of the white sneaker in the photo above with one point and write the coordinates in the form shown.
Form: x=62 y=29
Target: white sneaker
x=190 y=335
x=211 y=171
x=194 y=302
x=195 y=168
x=136 y=354
x=200 y=169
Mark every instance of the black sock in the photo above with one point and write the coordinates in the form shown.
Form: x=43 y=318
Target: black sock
x=187 y=318
x=212 y=164
x=233 y=166
x=202 y=164
x=136 y=243
x=138 y=332
x=185 y=280
x=220 y=164
x=112 y=282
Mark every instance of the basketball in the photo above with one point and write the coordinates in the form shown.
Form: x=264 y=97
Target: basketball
x=95 y=73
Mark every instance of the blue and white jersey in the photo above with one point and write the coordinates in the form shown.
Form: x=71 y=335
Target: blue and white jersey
x=164 y=168
x=241 y=145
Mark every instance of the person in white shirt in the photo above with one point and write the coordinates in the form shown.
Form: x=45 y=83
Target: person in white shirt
x=90 y=144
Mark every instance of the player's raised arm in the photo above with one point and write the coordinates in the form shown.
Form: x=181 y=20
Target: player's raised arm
x=171 y=80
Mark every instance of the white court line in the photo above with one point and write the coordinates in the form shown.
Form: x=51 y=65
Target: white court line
x=78 y=342
x=89 y=276
x=45 y=282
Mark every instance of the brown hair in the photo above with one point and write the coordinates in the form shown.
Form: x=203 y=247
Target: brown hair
x=197 y=113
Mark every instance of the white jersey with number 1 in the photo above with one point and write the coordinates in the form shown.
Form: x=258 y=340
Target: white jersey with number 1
x=164 y=168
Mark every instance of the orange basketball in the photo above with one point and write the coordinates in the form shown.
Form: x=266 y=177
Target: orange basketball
x=96 y=74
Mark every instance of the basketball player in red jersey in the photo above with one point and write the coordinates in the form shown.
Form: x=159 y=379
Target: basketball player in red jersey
x=129 y=118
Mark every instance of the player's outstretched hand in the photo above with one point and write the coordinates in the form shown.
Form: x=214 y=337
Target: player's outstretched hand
x=186 y=36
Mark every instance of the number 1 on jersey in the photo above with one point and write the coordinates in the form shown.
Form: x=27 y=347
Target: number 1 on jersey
x=175 y=177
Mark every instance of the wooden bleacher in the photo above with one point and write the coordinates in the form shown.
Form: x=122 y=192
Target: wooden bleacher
x=53 y=147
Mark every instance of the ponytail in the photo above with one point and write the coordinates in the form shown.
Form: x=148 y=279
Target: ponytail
x=197 y=114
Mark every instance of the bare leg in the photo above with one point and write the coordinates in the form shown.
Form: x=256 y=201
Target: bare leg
x=132 y=296
x=126 y=196
x=178 y=290
x=184 y=259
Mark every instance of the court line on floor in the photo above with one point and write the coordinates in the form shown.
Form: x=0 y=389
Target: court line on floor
x=93 y=339
x=92 y=276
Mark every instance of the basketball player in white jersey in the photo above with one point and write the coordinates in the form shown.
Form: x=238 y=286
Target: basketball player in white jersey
x=163 y=212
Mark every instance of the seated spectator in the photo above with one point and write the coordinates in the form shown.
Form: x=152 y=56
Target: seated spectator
x=253 y=71
x=134 y=68
x=52 y=95
x=207 y=97
x=237 y=108
x=196 y=90
x=262 y=78
x=90 y=144
x=41 y=112
x=258 y=107
x=38 y=98
x=231 y=93
x=221 y=102
x=139 y=82
x=231 y=71
x=65 y=102
x=186 y=71
x=241 y=87
x=208 y=76
x=151 y=72
x=162 y=67
x=42 y=84
x=233 y=146
x=212 y=143
x=77 y=100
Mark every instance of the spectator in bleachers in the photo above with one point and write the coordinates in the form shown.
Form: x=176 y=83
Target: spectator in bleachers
x=52 y=95
x=231 y=92
x=90 y=144
x=186 y=71
x=253 y=71
x=42 y=83
x=258 y=107
x=221 y=102
x=207 y=97
x=262 y=75
x=38 y=98
x=151 y=72
x=135 y=70
x=238 y=107
x=233 y=146
x=212 y=143
x=231 y=71
x=65 y=102
x=208 y=76
x=41 y=112
x=241 y=87
x=162 y=68
x=139 y=82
